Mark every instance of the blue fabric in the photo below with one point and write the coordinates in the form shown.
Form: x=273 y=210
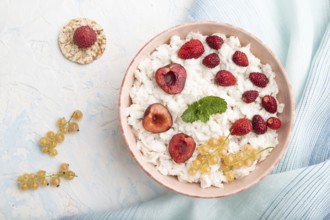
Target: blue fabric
x=299 y=187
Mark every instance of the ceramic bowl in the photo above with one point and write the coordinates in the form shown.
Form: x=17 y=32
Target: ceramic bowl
x=261 y=51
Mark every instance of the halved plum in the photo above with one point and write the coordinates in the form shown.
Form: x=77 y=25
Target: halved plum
x=157 y=118
x=181 y=147
x=171 y=78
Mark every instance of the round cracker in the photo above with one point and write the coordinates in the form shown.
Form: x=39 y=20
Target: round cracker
x=81 y=55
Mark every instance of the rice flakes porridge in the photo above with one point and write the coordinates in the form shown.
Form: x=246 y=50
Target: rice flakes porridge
x=200 y=83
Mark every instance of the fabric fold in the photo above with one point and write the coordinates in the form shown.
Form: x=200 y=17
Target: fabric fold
x=296 y=194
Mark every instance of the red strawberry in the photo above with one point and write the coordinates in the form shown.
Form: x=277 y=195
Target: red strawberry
x=259 y=125
x=212 y=60
x=84 y=37
x=181 y=147
x=274 y=123
x=250 y=96
x=241 y=127
x=240 y=58
x=191 y=49
x=214 y=41
x=259 y=79
x=225 y=78
x=269 y=103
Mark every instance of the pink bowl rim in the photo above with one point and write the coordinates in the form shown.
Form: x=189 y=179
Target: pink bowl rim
x=292 y=113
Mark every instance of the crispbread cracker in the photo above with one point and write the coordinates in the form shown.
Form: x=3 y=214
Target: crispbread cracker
x=81 y=55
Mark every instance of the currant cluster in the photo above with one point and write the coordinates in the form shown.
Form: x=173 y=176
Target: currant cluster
x=242 y=158
x=49 y=142
x=39 y=179
x=209 y=154
x=215 y=151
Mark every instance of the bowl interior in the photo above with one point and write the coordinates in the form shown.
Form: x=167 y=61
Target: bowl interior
x=284 y=96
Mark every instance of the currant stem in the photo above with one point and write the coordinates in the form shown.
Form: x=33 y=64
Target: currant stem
x=264 y=149
x=215 y=151
x=221 y=145
x=70 y=118
x=66 y=123
x=267 y=148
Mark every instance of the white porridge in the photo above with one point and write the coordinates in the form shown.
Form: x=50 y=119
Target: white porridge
x=200 y=83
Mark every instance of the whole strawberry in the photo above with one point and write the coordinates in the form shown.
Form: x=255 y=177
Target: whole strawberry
x=212 y=60
x=274 y=123
x=259 y=125
x=259 y=79
x=250 y=96
x=269 y=103
x=214 y=41
x=84 y=37
x=240 y=58
x=225 y=78
x=191 y=49
x=241 y=127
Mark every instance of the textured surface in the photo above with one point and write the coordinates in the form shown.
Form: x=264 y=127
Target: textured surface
x=38 y=85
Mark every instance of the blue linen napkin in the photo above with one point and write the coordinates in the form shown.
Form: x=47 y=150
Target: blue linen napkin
x=299 y=188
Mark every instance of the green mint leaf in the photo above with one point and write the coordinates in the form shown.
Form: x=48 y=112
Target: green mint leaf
x=204 y=117
x=191 y=113
x=204 y=108
x=213 y=104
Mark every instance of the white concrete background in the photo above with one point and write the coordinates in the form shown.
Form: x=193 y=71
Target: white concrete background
x=38 y=85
